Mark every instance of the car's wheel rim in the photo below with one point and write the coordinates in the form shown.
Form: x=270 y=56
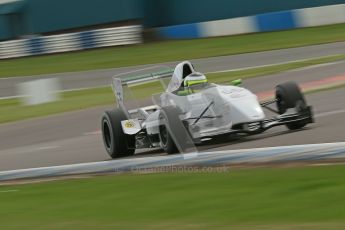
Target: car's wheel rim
x=106 y=135
x=281 y=104
x=163 y=133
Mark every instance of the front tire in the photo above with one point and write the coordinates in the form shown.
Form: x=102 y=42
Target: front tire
x=289 y=95
x=116 y=142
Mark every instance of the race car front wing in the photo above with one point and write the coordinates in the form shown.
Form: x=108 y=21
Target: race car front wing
x=302 y=115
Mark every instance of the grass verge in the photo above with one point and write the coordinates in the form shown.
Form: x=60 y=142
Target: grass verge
x=170 y=51
x=259 y=198
x=12 y=110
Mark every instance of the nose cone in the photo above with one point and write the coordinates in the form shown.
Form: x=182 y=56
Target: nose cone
x=244 y=105
x=246 y=110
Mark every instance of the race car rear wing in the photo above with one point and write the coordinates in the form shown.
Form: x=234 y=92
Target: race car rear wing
x=125 y=84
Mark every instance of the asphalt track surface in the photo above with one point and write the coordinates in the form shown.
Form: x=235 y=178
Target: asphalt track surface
x=98 y=78
x=75 y=138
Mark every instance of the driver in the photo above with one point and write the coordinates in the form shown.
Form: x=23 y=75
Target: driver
x=195 y=80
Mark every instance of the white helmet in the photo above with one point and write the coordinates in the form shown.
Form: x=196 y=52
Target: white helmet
x=195 y=78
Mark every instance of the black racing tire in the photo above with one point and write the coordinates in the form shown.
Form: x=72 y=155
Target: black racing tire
x=171 y=130
x=167 y=142
x=289 y=95
x=116 y=142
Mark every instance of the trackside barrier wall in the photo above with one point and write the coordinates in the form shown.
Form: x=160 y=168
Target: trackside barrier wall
x=319 y=16
x=71 y=42
x=275 y=21
x=283 y=154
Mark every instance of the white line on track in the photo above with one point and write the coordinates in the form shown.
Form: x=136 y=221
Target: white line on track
x=151 y=67
x=281 y=63
x=8 y=191
x=313 y=66
x=330 y=113
x=46 y=148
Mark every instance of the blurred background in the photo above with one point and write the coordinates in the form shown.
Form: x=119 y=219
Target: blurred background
x=57 y=59
x=60 y=56
x=38 y=27
x=36 y=18
x=22 y=18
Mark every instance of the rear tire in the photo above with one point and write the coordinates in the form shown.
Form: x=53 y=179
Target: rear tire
x=289 y=95
x=116 y=142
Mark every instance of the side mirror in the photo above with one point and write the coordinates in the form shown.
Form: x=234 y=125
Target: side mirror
x=236 y=82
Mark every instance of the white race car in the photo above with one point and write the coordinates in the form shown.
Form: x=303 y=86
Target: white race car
x=192 y=110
